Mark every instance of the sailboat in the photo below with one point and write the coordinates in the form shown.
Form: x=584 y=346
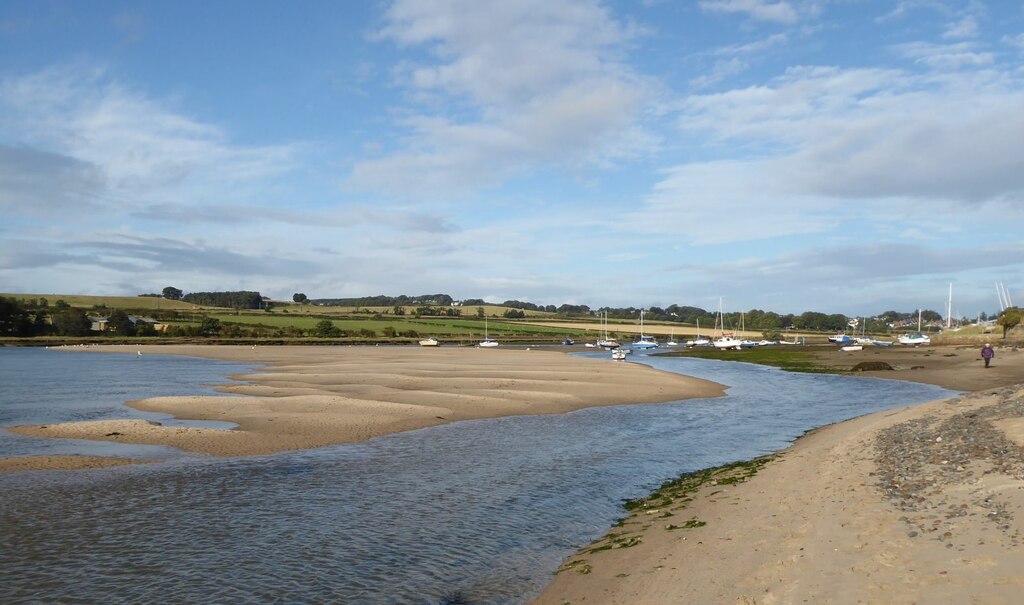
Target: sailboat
x=916 y=338
x=487 y=342
x=699 y=341
x=724 y=340
x=605 y=342
x=645 y=342
x=672 y=339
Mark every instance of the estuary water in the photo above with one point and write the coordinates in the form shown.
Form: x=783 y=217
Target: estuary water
x=472 y=512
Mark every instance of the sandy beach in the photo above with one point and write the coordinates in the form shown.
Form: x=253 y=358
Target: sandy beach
x=956 y=367
x=306 y=397
x=923 y=504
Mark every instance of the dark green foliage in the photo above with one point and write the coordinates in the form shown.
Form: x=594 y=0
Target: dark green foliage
x=325 y=328
x=119 y=324
x=299 y=297
x=14 y=319
x=574 y=310
x=514 y=314
x=210 y=326
x=172 y=293
x=71 y=322
x=242 y=299
x=518 y=304
x=387 y=301
x=1009 y=319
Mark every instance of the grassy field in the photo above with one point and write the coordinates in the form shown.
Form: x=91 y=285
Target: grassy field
x=786 y=357
x=422 y=326
x=111 y=302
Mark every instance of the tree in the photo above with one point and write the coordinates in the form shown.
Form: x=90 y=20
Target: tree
x=325 y=329
x=299 y=297
x=172 y=293
x=118 y=323
x=72 y=322
x=210 y=326
x=14 y=319
x=479 y=311
x=1009 y=319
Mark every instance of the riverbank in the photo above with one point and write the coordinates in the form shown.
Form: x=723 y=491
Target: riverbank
x=917 y=505
x=306 y=397
x=955 y=367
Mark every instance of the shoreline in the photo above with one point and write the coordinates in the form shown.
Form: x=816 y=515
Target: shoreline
x=839 y=516
x=308 y=397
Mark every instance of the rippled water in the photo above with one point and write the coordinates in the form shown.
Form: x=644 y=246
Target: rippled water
x=480 y=510
x=54 y=385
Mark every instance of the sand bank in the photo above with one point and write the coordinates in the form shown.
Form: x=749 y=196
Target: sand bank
x=918 y=505
x=305 y=397
x=958 y=367
x=32 y=463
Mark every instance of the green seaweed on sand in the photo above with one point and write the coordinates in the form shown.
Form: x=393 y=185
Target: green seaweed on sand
x=791 y=359
x=680 y=490
x=691 y=523
x=580 y=566
x=610 y=541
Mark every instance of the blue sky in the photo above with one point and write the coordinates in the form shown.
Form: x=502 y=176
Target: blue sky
x=841 y=156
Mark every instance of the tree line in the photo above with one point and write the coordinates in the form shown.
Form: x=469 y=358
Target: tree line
x=384 y=301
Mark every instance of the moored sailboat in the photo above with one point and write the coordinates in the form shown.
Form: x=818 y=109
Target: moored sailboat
x=724 y=340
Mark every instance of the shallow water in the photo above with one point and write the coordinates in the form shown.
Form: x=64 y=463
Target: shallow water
x=41 y=386
x=480 y=510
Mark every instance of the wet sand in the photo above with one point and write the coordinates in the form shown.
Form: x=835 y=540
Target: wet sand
x=955 y=367
x=306 y=397
x=923 y=504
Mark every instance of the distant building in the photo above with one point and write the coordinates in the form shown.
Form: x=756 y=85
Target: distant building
x=102 y=324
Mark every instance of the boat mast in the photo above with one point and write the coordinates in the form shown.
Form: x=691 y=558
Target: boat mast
x=949 y=307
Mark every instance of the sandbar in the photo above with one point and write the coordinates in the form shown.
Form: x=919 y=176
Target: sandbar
x=307 y=396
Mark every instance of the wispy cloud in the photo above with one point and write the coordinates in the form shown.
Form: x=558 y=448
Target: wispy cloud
x=135 y=150
x=526 y=85
x=946 y=56
x=760 y=10
x=967 y=27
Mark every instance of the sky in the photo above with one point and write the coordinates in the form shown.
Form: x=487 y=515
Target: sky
x=841 y=156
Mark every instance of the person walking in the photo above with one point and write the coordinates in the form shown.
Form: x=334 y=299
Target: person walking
x=987 y=353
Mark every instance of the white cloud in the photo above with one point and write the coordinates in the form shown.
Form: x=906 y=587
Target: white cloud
x=528 y=84
x=760 y=10
x=876 y=133
x=136 y=150
x=857 y=278
x=946 y=56
x=966 y=27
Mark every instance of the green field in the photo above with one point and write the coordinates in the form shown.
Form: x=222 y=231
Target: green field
x=787 y=357
x=111 y=302
x=422 y=326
